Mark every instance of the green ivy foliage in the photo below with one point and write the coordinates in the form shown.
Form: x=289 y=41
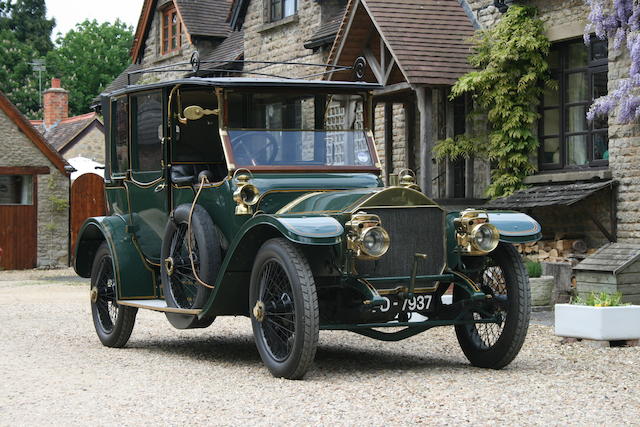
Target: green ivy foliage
x=511 y=69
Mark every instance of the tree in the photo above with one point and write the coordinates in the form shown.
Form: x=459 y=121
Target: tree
x=25 y=35
x=27 y=19
x=17 y=79
x=88 y=58
x=511 y=69
x=618 y=20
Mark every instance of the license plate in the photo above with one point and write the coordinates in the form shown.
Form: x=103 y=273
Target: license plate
x=417 y=303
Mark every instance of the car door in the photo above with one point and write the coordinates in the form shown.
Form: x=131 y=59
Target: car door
x=146 y=184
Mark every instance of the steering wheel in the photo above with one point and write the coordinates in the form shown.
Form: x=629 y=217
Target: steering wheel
x=265 y=155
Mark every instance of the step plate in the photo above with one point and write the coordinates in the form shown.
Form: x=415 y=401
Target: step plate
x=158 y=305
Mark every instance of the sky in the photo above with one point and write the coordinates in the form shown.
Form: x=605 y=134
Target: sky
x=68 y=13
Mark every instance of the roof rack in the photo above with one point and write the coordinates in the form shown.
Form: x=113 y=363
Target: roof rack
x=358 y=68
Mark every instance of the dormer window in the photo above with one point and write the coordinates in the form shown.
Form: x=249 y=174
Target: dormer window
x=279 y=9
x=171 y=30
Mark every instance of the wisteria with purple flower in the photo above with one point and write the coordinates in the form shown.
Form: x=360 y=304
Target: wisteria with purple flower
x=618 y=20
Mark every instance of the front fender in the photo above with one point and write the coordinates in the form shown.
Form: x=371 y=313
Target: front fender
x=230 y=292
x=516 y=227
x=134 y=278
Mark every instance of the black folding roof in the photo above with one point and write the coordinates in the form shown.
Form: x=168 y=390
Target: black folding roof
x=241 y=82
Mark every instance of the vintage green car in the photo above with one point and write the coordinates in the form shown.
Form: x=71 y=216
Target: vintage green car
x=263 y=198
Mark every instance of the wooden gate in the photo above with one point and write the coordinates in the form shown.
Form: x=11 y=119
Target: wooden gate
x=87 y=200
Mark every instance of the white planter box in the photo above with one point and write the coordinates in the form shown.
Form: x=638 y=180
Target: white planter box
x=598 y=323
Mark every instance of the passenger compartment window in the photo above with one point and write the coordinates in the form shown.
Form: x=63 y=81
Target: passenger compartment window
x=120 y=137
x=147 y=130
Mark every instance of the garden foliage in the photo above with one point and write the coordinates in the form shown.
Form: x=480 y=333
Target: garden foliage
x=619 y=21
x=511 y=69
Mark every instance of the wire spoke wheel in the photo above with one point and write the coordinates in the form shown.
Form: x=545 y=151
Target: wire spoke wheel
x=279 y=323
x=502 y=275
x=113 y=322
x=106 y=303
x=182 y=283
x=492 y=282
x=284 y=307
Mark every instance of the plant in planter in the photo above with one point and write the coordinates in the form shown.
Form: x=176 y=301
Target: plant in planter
x=600 y=316
x=541 y=286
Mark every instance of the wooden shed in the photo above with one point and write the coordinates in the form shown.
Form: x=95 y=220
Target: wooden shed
x=613 y=268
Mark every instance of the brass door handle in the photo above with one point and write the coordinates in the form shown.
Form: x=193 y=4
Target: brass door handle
x=159 y=188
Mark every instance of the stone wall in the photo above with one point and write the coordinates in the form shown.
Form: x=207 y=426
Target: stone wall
x=53 y=222
x=90 y=146
x=283 y=40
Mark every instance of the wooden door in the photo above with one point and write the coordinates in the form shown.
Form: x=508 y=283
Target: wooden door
x=18 y=237
x=18 y=233
x=87 y=200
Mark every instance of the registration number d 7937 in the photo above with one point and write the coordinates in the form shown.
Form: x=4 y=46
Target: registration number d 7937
x=415 y=303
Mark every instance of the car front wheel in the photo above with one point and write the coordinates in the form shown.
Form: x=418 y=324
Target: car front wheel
x=284 y=309
x=495 y=345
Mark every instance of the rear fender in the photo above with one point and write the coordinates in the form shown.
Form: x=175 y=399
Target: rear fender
x=134 y=278
x=230 y=293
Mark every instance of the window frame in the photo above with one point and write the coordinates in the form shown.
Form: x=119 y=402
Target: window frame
x=167 y=31
x=276 y=9
x=561 y=75
x=29 y=182
x=113 y=156
x=134 y=152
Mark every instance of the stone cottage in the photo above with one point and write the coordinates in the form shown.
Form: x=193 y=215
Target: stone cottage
x=78 y=136
x=170 y=31
x=34 y=195
x=587 y=183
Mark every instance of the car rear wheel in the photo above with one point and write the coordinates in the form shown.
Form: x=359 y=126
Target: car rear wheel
x=284 y=309
x=114 y=323
x=180 y=285
x=495 y=345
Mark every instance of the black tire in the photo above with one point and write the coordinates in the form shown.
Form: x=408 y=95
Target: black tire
x=490 y=345
x=287 y=334
x=113 y=322
x=181 y=289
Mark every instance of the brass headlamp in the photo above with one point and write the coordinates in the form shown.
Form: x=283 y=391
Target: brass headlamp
x=246 y=194
x=365 y=236
x=474 y=233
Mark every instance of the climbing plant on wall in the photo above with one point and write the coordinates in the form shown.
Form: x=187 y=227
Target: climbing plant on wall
x=619 y=21
x=510 y=62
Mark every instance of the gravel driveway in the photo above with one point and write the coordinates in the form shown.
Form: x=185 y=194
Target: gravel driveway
x=56 y=372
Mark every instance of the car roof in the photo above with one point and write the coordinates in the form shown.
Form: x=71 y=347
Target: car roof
x=252 y=82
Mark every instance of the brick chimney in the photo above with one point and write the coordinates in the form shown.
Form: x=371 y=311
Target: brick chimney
x=56 y=103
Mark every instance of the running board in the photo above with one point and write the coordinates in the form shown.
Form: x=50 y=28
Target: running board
x=158 y=305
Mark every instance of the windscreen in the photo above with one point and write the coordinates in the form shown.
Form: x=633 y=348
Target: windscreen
x=292 y=129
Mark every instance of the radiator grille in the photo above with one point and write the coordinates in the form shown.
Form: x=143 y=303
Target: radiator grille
x=412 y=230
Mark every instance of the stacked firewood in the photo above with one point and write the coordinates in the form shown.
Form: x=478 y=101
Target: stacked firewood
x=563 y=250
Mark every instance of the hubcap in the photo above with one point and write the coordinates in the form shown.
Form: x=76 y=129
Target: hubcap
x=258 y=311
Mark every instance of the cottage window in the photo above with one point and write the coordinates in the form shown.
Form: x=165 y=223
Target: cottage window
x=279 y=9
x=16 y=190
x=567 y=139
x=171 y=30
